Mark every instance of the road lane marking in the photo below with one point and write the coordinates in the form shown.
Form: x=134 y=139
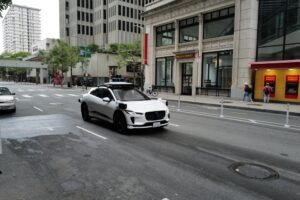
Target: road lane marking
x=73 y=95
x=37 y=108
x=43 y=95
x=31 y=90
x=19 y=90
x=176 y=125
x=26 y=96
x=55 y=103
x=59 y=95
x=238 y=113
x=253 y=121
x=95 y=134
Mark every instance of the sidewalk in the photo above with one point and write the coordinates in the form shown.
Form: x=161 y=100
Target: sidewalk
x=232 y=103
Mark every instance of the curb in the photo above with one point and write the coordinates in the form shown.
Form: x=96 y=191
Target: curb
x=238 y=108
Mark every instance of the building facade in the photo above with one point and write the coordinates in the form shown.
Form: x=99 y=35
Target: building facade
x=101 y=22
x=21 y=28
x=212 y=47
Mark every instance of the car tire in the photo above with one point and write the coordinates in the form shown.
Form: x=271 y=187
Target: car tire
x=85 y=113
x=120 y=123
x=13 y=110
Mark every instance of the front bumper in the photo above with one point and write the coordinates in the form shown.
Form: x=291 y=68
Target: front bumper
x=7 y=106
x=139 y=121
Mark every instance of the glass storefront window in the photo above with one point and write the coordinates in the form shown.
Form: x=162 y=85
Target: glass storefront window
x=269 y=53
x=218 y=23
x=189 y=30
x=278 y=30
x=165 y=35
x=164 y=71
x=217 y=70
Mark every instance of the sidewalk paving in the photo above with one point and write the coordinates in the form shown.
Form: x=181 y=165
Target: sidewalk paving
x=233 y=103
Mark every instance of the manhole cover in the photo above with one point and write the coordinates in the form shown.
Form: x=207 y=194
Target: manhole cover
x=254 y=171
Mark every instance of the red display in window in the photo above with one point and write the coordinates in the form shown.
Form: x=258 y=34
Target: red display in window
x=291 y=86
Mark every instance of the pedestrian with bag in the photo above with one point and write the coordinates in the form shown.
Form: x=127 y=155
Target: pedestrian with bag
x=247 y=92
x=266 y=92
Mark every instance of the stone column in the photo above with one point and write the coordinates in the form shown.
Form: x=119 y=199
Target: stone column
x=199 y=59
x=41 y=76
x=245 y=35
x=176 y=23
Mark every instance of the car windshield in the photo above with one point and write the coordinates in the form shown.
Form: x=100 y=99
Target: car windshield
x=4 y=91
x=129 y=95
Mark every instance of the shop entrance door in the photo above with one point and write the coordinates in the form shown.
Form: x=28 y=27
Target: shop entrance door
x=187 y=78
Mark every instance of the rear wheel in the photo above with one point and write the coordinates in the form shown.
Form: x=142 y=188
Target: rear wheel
x=154 y=93
x=85 y=113
x=120 y=123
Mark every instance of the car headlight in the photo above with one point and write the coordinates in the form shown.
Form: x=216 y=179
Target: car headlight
x=130 y=112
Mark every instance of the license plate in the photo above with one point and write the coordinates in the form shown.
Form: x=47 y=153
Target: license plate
x=156 y=124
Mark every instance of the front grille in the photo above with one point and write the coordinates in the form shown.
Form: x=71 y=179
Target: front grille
x=157 y=115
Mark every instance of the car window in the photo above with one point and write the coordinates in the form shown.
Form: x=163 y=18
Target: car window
x=98 y=92
x=107 y=93
x=130 y=95
x=4 y=91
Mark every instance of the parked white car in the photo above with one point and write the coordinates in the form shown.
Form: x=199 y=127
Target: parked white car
x=125 y=107
x=7 y=100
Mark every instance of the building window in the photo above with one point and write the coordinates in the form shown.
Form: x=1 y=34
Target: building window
x=217 y=70
x=123 y=23
x=87 y=30
x=83 y=29
x=67 y=5
x=92 y=31
x=82 y=16
x=104 y=28
x=67 y=19
x=120 y=25
x=87 y=3
x=104 y=14
x=164 y=71
x=78 y=3
x=127 y=26
x=82 y=3
x=218 y=23
x=78 y=29
x=131 y=12
x=87 y=17
x=91 y=18
x=91 y=4
x=120 y=10
x=189 y=30
x=67 y=32
x=278 y=30
x=165 y=35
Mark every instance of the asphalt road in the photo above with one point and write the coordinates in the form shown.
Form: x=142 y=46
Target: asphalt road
x=49 y=152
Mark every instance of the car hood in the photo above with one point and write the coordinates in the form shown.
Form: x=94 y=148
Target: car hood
x=145 y=106
x=4 y=98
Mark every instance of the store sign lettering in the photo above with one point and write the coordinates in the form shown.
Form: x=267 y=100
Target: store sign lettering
x=184 y=56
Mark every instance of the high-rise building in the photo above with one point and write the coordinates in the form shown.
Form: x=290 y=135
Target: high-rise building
x=21 y=28
x=101 y=22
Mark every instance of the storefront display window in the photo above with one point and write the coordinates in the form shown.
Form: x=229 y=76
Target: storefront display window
x=219 y=23
x=217 y=70
x=164 y=71
x=189 y=30
x=165 y=35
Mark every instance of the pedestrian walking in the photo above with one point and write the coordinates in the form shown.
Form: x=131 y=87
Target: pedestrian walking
x=247 y=92
x=266 y=92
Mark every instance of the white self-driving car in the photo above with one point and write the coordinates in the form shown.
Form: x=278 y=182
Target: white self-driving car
x=7 y=100
x=127 y=108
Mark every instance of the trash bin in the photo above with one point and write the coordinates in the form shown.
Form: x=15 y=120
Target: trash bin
x=69 y=84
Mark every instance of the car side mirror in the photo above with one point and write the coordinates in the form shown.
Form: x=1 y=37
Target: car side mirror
x=106 y=99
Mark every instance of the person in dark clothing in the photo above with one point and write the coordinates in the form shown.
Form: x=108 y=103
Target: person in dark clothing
x=247 y=92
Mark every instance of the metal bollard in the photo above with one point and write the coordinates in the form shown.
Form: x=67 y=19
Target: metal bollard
x=178 y=105
x=287 y=116
x=222 y=109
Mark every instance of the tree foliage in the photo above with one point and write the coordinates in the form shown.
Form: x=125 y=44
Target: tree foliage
x=4 y=5
x=93 y=48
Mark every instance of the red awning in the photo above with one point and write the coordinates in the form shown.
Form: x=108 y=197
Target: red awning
x=284 y=64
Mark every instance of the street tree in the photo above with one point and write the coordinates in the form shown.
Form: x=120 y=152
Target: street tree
x=128 y=54
x=93 y=48
x=4 y=5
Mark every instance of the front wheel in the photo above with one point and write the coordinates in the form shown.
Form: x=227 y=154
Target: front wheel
x=85 y=113
x=120 y=123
